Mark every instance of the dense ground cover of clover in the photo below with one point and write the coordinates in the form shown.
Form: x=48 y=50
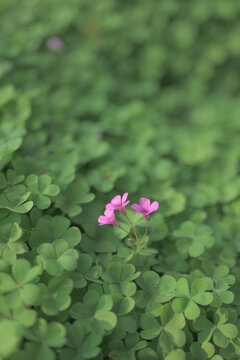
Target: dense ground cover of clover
x=103 y=98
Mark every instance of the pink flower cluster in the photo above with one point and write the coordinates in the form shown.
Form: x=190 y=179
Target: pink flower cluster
x=119 y=203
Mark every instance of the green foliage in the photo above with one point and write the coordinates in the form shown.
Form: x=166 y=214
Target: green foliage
x=220 y=330
x=95 y=311
x=40 y=188
x=57 y=257
x=193 y=239
x=141 y=97
x=187 y=301
x=168 y=328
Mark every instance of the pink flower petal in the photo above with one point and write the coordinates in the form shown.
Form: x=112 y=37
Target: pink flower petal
x=102 y=220
x=116 y=200
x=145 y=203
x=127 y=202
x=137 y=207
x=109 y=213
x=153 y=207
x=109 y=206
x=124 y=197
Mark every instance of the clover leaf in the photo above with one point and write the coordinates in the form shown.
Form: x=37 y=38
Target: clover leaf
x=11 y=336
x=221 y=331
x=11 y=178
x=51 y=335
x=86 y=272
x=10 y=247
x=35 y=351
x=81 y=344
x=168 y=328
x=171 y=202
x=126 y=349
x=154 y=290
x=41 y=189
x=202 y=351
x=122 y=305
x=70 y=200
x=187 y=301
x=56 y=296
x=222 y=280
x=148 y=353
x=18 y=288
x=57 y=257
x=10 y=140
x=119 y=278
x=95 y=312
x=48 y=229
x=158 y=228
x=15 y=199
x=193 y=239
x=104 y=177
x=23 y=315
x=126 y=324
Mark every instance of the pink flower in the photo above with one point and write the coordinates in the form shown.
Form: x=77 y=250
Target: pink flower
x=145 y=207
x=54 y=43
x=108 y=218
x=118 y=203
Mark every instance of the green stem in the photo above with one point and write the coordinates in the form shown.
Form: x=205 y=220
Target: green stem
x=146 y=228
x=133 y=226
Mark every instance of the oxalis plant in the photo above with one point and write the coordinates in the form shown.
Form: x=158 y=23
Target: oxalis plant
x=96 y=99
x=133 y=237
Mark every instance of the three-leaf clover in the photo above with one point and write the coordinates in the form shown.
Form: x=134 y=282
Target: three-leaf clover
x=192 y=239
x=119 y=278
x=18 y=288
x=41 y=189
x=70 y=200
x=85 y=272
x=222 y=280
x=81 y=344
x=11 y=178
x=56 y=296
x=49 y=228
x=154 y=290
x=187 y=301
x=168 y=328
x=57 y=257
x=23 y=315
x=127 y=348
x=52 y=334
x=221 y=331
x=95 y=312
x=15 y=199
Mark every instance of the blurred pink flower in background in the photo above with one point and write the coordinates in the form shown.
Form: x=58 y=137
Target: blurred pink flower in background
x=54 y=43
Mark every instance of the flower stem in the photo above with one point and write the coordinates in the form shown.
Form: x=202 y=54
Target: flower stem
x=146 y=228
x=133 y=226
